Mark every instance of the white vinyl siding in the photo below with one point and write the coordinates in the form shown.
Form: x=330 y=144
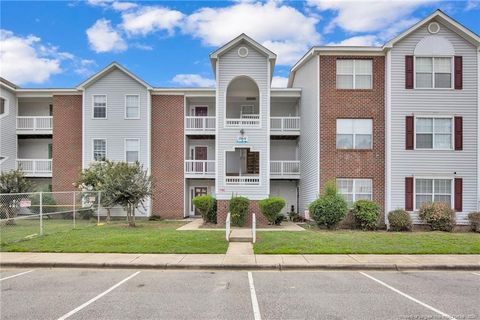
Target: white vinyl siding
x=355 y=189
x=354 y=133
x=132 y=150
x=99 y=149
x=99 y=106
x=434 y=133
x=132 y=106
x=433 y=72
x=433 y=190
x=8 y=132
x=354 y=74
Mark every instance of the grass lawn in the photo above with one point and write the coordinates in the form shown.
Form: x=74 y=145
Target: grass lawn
x=148 y=237
x=344 y=242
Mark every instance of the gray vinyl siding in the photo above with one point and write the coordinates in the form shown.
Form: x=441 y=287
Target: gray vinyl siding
x=8 y=131
x=442 y=102
x=115 y=129
x=307 y=78
x=255 y=66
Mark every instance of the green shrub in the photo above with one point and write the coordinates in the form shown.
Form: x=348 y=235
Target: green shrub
x=330 y=208
x=399 y=220
x=207 y=207
x=438 y=215
x=365 y=214
x=238 y=208
x=48 y=204
x=271 y=208
x=474 y=218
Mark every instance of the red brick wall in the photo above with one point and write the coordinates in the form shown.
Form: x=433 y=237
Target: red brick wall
x=67 y=141
x=222 y=211
x=168 y=156
x=352 y=104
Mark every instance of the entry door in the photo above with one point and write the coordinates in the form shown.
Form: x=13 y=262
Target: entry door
x=201 y=111
x=200 y=153
x=195 y=192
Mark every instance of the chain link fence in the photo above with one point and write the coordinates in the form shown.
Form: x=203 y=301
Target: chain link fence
x=28 y=215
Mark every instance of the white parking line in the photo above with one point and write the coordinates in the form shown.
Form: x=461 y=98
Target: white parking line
x=253 y=295
x=478 y=274
x=65 y=316
x=16 y=275
x=409 y=297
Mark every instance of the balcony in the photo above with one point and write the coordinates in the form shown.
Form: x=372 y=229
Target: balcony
x=200 y=125
x=246 y=121
x=35 y=167
x=285 y=125
x=34 y=125
x=243 y=180
x=200 y=168
x=285 y=169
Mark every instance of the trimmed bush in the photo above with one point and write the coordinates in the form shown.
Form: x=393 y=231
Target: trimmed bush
x=330 y=208
x=238 y=208
x=474 y=218
x=365 y=214
x=207 y=205
x=399 y=220
x=438 y=215
x=271 y=208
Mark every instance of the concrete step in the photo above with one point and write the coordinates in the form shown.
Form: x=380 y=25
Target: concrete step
x=241 y=235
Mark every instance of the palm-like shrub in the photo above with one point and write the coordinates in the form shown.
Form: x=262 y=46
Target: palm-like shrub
x=271 y=208
x=330 y=208
x=438 y=215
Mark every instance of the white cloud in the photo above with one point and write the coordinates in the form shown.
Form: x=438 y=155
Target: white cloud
x=123 y=6
x=368 y=16
x=367 y=40
x=99 y=3
x=193 y=80
x=26 y=60
x=84 y=68
x=279 y=82
x=103 y=38
x=472 y=5
x=149 y=19
x=281 y=28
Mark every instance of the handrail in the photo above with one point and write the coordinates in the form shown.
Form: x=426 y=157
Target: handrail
x=227 y=227
x=34 y=123
x=254 y=228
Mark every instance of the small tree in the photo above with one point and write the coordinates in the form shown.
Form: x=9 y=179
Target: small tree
x=12 y=181
x=330 y=208
x=128 y=185
x=271 y=208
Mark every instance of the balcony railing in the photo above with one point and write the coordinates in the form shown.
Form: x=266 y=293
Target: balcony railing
x=200 y=167
x=245 y=180
x=250 y=120
x=206 y=124
x=35 y=123
x=35 y=167
x=284 y=168
x=285 y=124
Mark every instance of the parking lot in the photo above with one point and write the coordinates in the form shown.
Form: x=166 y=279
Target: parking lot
x=150 y=294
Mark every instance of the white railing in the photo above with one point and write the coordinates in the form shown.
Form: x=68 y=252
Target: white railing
x=247 y=120
x=200 y=167
x=227 y=227
x=254 y=228
x=284 y=123
x=193 y=123
x=242 y=180
x=280 y=168
x=35 y=123
x=33 y=167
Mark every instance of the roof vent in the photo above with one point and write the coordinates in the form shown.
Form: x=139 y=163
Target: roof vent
x=243 y=52
x=433 y=27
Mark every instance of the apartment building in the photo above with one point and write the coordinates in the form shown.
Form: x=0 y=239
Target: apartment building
x=397 y=124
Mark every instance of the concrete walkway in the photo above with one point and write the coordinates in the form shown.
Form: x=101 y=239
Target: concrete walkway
x=196 y=224
x=237 y=259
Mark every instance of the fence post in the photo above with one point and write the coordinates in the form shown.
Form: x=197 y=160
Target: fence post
x=74 y=207
x=99 y=196
x=41 y=213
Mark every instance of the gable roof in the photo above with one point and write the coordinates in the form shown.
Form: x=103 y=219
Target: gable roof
x=10 y=85
x=106 y=70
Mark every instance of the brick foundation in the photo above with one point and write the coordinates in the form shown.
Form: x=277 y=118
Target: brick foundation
x=222 y=212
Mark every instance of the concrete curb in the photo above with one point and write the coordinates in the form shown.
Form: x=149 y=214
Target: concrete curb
x=259 y=267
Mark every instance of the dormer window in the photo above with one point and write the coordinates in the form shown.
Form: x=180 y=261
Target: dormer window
x=433 y=72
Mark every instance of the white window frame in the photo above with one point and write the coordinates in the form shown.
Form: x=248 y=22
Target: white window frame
x=93 y=149
x=138 y=107
x=452 y=75
x=125 y=149
x=452 y=194
x=354 y=74
x=353 y=188
x=452 y=134
x=6 y=111
x=354 y=134
x=93 y=106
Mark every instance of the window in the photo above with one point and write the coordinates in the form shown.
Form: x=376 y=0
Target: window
x=132 y=148
x=2 y=158
x=433 y=190
x=354 y=133
x=354 y=74
x=355 y=189
x=433 y=72
x=3 y=106
x=99 y=106
x=132 y=107
x=99 y=149
x=433 y=133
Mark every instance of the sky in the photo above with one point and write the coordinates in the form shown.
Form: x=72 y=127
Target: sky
x=59 y=44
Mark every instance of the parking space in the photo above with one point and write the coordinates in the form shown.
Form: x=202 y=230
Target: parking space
x=150 y=294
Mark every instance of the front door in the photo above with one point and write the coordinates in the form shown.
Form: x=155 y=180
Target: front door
x=200 y=153
x=201 y=111
x=195 y=192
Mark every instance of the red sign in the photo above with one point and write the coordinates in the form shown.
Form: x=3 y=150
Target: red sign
x=24 y=203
